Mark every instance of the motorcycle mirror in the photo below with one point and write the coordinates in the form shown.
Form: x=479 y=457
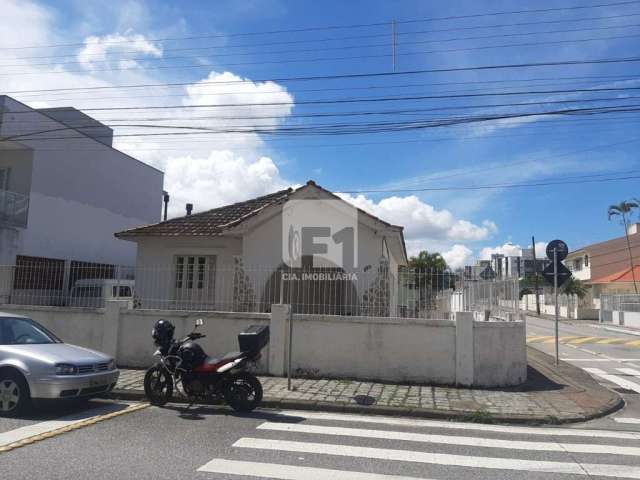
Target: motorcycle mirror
x=199 y=322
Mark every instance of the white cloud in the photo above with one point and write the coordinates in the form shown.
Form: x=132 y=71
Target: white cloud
x=458 y=256
x=96 y=49
x=220 y=179
x=423 y=221
x=510 y=249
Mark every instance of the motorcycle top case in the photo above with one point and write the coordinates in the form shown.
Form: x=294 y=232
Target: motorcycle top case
x=254 y=338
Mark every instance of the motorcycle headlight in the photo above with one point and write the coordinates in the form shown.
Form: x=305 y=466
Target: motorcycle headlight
x=66 y=369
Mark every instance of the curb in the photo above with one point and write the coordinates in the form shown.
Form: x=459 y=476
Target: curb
x=308 y=405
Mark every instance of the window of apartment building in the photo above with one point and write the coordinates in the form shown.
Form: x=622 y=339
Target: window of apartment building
x=577 y=264
x=586 y=260
x=4 y=178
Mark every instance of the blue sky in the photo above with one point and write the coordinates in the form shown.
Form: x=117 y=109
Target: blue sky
x=217 y=169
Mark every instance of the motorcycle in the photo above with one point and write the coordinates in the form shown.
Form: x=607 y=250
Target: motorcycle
x=184 y=363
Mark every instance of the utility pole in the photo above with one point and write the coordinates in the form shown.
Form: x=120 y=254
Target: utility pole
x=393 y=43
x=535 y=274
x=555 y=294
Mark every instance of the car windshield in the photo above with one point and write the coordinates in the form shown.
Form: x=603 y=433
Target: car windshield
x=21 y=331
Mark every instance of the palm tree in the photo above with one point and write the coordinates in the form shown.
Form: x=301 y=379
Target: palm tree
x=573 y=286
x=624 y=209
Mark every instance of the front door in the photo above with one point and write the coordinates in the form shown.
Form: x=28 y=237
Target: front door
x=195 y=282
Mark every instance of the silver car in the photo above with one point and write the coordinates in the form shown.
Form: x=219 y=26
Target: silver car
x=35 y=364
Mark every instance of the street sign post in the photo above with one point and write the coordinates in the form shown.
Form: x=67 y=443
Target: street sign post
x=557 y=273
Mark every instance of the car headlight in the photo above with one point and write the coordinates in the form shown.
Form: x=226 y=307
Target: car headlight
x=112 y=365
x=66 y=369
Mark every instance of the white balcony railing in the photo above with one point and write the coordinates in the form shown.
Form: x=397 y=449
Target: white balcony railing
x=14 y=209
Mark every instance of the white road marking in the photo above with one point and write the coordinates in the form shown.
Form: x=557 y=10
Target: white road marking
x=620 y=381
x=565 y=467
x=451 y=439
x=627 y=420
x=629 y=371
x=21 y=433
x=291 y=472
x=611 y=359
x=415 y=422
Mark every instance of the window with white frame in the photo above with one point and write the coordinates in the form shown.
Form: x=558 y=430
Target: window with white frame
x=194 y=272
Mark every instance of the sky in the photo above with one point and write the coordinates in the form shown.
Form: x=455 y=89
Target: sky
x=235 y=67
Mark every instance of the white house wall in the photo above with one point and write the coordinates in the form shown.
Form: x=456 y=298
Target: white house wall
x=155 y=274
x=81 y=188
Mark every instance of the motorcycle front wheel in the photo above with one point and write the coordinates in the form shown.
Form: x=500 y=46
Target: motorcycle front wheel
x=243 y=392
x=158 y=385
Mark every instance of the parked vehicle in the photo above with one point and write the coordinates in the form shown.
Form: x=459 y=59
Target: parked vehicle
x=184 y=363
x=35 y=364
x=93 y=292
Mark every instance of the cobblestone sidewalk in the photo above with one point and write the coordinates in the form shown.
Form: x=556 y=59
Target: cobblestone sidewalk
x=551 y=396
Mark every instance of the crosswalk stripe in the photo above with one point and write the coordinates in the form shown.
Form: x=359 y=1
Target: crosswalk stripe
x=28 y=431
x=629 y=371
x=611 y=341
x=441 y=458
x=622 y=382
x=633 y=343
x=291 y=472
x=538 y=338
x=451 y=439
x=416 y=422
x=627 y=420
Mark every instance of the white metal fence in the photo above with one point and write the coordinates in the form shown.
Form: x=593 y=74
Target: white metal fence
x=620 y=303
x=196 y=283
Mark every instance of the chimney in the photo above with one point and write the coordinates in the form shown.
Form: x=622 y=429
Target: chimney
x=165 y=199
x=189 y=208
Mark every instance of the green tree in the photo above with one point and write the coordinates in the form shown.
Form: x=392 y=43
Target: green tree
x=427 y=274
x=573 y=286
x=623 y=210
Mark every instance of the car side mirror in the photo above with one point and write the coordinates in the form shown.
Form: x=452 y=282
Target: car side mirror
x=199 y=322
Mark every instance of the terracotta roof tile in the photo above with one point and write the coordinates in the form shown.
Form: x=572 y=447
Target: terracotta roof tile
x=210 y=222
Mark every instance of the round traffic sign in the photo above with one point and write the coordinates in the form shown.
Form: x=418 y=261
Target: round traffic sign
x=562 y=250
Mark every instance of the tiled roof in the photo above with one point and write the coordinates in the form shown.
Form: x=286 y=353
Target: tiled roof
x=622 y=276
x=210 y=222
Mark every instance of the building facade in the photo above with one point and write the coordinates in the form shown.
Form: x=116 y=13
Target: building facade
x=64 y=190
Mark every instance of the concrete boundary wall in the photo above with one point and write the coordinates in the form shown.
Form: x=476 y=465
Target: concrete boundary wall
x=460 y=351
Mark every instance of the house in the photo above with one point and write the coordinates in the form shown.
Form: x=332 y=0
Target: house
x=64 y=190
x=605 y=267
x=233 y=258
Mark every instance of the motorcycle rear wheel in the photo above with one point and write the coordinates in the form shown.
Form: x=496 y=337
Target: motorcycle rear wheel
x=243 y=392
x=158 y=385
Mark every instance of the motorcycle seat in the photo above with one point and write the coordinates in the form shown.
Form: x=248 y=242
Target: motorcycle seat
x=211 y=364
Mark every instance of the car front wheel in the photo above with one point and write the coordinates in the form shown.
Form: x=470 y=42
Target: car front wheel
x=14 y=394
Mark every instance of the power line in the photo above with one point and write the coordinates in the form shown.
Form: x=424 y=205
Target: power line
x=599 y=61
x=354 y=100
x=323 y=59
x=570 y=80
x=46 y=121
x=491 y=186
x=339 y=27
x=319 y=49
x=359 y=128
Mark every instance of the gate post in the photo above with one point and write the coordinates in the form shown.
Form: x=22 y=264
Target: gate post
x=278 y=339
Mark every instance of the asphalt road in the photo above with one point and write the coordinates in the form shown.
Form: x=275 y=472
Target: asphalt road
x=610 y=355
x=107 y=440
x=213 y=443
